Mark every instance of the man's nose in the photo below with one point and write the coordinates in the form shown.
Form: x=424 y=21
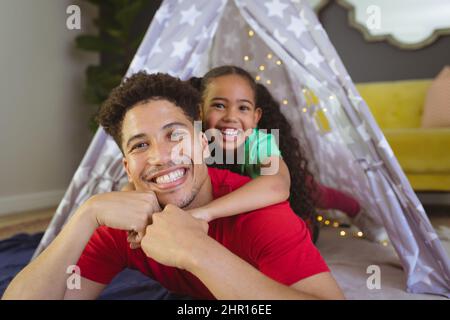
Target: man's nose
x=159 y=154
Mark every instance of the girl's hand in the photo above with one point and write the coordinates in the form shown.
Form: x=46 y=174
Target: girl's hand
x=200 y=213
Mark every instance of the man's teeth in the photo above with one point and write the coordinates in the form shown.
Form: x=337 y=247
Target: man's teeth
x=171 y=177
x=230 y=132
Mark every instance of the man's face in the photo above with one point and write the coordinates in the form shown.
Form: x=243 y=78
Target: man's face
x=159 y=144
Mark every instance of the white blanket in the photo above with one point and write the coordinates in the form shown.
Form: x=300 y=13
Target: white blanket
x=349 y=258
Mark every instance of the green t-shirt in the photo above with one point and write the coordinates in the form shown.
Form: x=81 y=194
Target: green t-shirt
x=258 y=146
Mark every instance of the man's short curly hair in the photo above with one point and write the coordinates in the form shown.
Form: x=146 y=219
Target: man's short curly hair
x=140 y=88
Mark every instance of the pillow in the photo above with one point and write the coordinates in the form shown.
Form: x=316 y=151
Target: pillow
x=436 y=111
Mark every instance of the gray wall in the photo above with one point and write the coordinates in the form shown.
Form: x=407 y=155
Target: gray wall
x=379 y=61
x=43 y=116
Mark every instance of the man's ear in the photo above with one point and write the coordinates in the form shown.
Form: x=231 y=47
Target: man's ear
x=258 y=115
x=127 y=169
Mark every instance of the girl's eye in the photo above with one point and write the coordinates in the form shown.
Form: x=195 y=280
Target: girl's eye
x=218 y=106
x=139 y=146
x=244 y=108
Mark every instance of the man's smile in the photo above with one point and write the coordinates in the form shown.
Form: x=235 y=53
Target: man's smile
x=169 y=178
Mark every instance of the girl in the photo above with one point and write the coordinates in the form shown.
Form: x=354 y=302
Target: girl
x=235 y=105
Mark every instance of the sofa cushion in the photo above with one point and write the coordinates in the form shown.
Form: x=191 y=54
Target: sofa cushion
x=395 y=104
x=437 y=103
x=421 y=151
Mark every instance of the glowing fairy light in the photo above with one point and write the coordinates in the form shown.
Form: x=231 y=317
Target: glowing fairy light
x=278 y=62
x=319 y=218
x=246 y=58
x=327 y=222
x=269 y=81
x=359 y=234
x=261 y=67
x=251 y=33
x=257 y=78
x=324 y=109
x=269 y=56
x=304 y=110
x=342 y=233
x=335 y=224
x=285 y=102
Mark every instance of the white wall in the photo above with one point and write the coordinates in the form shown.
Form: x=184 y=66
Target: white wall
x=43 y=115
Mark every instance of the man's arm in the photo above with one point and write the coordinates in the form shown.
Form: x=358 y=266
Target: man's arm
x=177 y=239
x=46 y=276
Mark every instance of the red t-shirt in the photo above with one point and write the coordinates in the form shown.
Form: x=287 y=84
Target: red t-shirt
x=273 y=239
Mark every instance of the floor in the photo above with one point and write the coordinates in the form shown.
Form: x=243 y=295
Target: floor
x=38 y=220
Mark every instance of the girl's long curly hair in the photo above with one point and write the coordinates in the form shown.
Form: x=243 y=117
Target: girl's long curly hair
x=302 y=189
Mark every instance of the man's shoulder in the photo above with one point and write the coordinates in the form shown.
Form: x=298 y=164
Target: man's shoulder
x=272 y=221
x=225 y=181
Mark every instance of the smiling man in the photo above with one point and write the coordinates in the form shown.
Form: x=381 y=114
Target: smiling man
x=263 y=254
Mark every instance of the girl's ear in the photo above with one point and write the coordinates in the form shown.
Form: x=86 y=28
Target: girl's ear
x=258 y=115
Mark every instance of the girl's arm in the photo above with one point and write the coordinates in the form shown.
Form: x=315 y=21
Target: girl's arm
x=261 y=192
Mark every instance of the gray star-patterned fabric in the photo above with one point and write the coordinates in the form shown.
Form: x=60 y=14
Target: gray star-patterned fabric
x=289 y=52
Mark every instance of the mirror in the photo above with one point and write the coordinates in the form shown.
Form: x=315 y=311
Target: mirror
x=407 y=24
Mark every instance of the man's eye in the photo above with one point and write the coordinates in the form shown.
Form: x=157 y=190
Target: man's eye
x=139 y=146
x=176 y=136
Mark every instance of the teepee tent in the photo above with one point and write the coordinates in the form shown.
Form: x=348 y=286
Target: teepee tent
x=283 y=44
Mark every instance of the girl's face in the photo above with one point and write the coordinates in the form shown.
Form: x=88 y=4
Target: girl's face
x=229 y=106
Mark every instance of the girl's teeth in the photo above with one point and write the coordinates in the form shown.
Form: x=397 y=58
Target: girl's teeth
x=171 y=177
x=230 y=132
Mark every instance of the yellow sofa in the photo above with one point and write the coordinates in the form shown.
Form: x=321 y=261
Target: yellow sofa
x=424 y=154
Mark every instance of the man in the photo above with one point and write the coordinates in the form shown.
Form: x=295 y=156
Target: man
x=264 y=254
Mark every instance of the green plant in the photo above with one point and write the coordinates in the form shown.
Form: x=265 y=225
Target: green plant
x=121 y=25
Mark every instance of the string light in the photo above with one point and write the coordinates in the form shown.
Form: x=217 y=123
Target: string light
x=246 y=58
x=319 y=218
x=304 y=110
x=359 y=234
x=257 y=78
x=269 y=56
x=327 y=222
x=279 y=62
x=342 y=233
x=268 y=81
x=385 y=243
x=251 y=33
x=324 y=109
x=285 y=102
x=335 y=224
x=261 y=67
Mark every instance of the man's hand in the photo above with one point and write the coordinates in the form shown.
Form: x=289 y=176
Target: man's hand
x=172 y=236
x=131 y=211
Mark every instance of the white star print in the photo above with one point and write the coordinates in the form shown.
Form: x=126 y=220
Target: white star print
x=385 y=145
x=296 y=26
x=313 y=57
x=162 y=14
x=276 y=8
x=230 y=41
x=180 y=48
x=279 y=37
x=157 y=48
x=190 y=16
